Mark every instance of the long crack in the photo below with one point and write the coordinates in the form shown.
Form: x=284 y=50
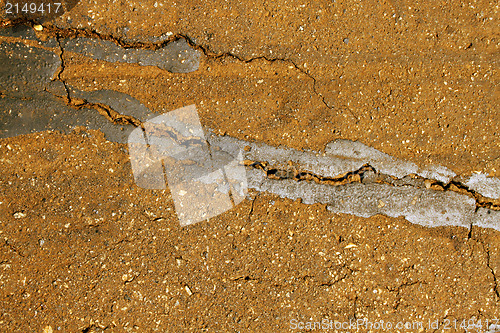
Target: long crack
x=295 y=173
x=59 y=34
x=89 y=33
x=360 y=175
x=298 y=175
x=271 y=172
x=61 y=69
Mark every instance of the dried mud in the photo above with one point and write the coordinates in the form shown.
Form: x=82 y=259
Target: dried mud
x=84 y=249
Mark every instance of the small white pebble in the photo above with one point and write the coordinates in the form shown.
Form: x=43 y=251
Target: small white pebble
x=47 y=329
x=19 y=215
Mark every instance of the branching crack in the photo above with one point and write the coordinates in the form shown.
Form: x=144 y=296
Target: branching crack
x=93 y=327
x=458 y=187
x=209 y=54
x=89 y=33
x=398 y=291
x=244 y=278
x=272 y=173
x=78 y=103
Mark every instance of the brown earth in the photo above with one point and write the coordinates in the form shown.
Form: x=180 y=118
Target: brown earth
x=94 y=253
x=426 y=72
x=83 y=249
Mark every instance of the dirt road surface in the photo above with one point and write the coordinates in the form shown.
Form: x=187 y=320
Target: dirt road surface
x=83 y=248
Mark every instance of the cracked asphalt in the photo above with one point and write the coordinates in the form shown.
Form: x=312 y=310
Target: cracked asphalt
x=84 y=249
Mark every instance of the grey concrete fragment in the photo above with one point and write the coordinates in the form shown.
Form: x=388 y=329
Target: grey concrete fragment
x=123 y=103
x=310 y=193
x=26 y=79
x=120 y=102
x=19 y=31
x=25 y=70
x=420 y=206
x=340 y=156
x=437 y=172
x=487 y=218
x=384 y=163
x=487 y=186
x=19 y=117
x=176 y=57
x=30 y=103
x=312 y=161
x=45 y=112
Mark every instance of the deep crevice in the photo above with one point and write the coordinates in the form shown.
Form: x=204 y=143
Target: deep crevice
x=293 y=173
x=61 y=70
x=59 y=33
x=272 y=173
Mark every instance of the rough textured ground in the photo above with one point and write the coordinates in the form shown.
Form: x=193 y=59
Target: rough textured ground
x=83 y=249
